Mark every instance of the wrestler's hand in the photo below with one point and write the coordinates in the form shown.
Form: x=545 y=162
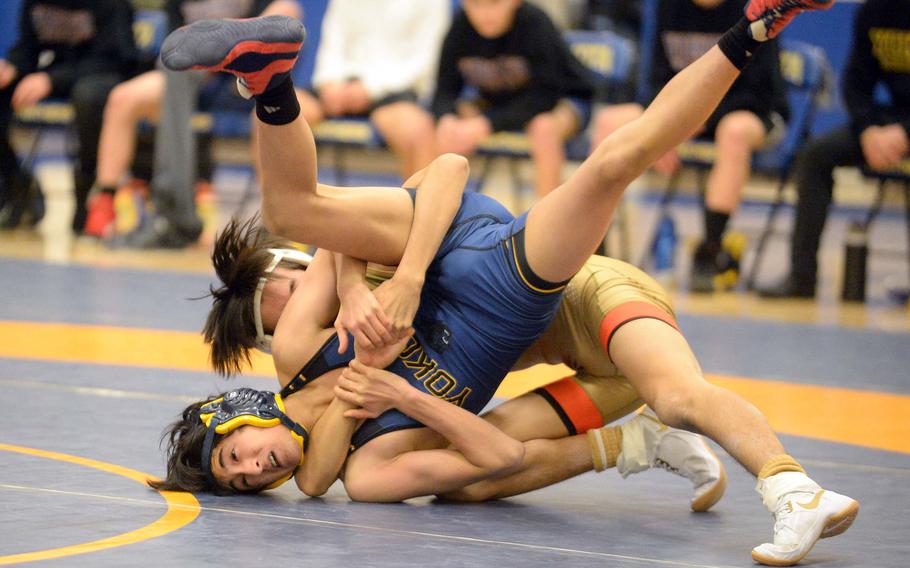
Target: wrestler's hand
x=374 y=391
x=380 y=357
x=399 y=298
x=362 y=315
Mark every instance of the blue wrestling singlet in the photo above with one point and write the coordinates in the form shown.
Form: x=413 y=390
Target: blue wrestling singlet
x=480 y=308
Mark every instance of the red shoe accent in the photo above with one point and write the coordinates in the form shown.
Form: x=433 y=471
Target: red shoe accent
x=257 y=81
x=776 y=14
x=101 y=216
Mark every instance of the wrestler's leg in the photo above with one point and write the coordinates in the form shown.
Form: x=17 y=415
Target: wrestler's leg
x=567 y=225
x=657 y=360
x=368 y=223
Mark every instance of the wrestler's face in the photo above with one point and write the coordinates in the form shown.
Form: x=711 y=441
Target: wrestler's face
x=251 y=458
x=491 y=18
x=276 y=293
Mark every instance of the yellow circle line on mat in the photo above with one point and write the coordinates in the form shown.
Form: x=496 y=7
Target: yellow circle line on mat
x=182 y=509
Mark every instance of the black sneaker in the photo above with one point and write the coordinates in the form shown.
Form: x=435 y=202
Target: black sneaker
x=25 y=203
x=716 y=268
x=157 y=232
x=789 y=287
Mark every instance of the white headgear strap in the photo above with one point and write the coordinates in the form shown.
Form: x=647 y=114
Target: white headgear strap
x=264 y=341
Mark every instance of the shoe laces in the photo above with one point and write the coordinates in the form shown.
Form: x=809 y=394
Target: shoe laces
x=664 y=465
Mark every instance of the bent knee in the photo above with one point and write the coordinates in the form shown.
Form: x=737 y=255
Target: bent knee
x=676 y=407
x=742 y=128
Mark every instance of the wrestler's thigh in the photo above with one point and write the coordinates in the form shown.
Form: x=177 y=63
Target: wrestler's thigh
x=527 y=417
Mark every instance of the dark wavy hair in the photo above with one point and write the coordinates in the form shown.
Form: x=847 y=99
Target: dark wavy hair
x=240 y=258
x=184 y=454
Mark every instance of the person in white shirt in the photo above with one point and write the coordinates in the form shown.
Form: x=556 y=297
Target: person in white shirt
x=378 y=58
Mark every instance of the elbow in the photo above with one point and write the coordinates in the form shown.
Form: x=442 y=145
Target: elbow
x=314 y=490
x=455 y=164
x=509 y=459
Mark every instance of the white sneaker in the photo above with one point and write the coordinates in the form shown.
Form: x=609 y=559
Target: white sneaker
x=647 y=442
x=803 y=513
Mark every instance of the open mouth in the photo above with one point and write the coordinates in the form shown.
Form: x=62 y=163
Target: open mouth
x=273 y=460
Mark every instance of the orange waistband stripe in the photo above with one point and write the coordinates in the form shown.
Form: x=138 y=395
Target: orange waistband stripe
x=574 y=406
x=624 y=313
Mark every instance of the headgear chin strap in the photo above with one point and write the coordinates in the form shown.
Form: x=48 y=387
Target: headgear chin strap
x=242 y=407
x=264 y=341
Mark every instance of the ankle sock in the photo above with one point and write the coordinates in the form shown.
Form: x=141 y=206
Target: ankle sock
x=278 y=105
x=780 y=464
x=715 y=225
x=737 y=45
x=606 y=444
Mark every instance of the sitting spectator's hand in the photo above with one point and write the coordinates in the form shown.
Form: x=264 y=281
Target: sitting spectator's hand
x=884 y=146
x=332 y=97
x=32 y=88
x=362 y=315
x=357 y=99
x=8 y=72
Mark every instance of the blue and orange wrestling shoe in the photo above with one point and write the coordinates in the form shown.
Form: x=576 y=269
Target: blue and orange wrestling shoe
x=260 y=52
x=769 y=17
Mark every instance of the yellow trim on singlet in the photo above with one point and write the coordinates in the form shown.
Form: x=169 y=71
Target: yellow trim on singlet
x=524 y=278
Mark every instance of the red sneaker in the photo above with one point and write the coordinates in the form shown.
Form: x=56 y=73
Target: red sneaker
x=101 y=216
x=259 y=51
x=769 y=17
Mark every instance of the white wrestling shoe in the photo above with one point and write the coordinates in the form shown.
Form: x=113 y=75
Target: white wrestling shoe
x=803 y=513
x=647 y=442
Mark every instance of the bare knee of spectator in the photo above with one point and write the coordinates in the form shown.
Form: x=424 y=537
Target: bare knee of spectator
x=544 y=129
x=610 y=118
x=310 y=108
x=121 y=102
x=739 y=130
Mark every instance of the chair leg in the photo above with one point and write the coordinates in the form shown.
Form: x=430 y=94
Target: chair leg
x=907 y=221
x=515 y=174
x=766 y=232
x=876 y=208
x=481 y=179
x=663 y=209
x=28 y=161
x=341 y=171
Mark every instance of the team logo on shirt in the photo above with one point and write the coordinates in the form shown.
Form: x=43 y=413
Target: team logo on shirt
x=436 y=381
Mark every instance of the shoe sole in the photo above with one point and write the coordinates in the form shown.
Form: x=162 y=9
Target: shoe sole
x=836 y=524
x=709 y=499
x=215 y=44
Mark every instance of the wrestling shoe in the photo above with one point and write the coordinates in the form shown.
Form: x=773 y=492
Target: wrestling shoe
x=769 y=17
x=260 y=52
x=717 y=269
x=647 y=442
x=803 y=513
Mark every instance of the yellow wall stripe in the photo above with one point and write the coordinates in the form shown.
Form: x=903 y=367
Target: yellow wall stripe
x=105 y=345
x=182 y=509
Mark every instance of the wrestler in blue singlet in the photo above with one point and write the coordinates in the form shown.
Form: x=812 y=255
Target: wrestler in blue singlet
x=480 y=308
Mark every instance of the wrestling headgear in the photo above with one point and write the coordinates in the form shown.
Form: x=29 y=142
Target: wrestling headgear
x=264 y=341
x=241 y=407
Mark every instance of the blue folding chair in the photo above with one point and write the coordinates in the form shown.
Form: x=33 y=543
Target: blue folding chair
x=804 y=68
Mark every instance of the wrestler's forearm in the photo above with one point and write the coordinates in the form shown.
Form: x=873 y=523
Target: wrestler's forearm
x=329 y=443
x=481 y=443
x=440 y=188
x=351 y=272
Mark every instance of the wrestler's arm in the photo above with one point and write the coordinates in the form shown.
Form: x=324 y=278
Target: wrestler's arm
x=380 y=473
x=372 y=224
x=385 y=316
